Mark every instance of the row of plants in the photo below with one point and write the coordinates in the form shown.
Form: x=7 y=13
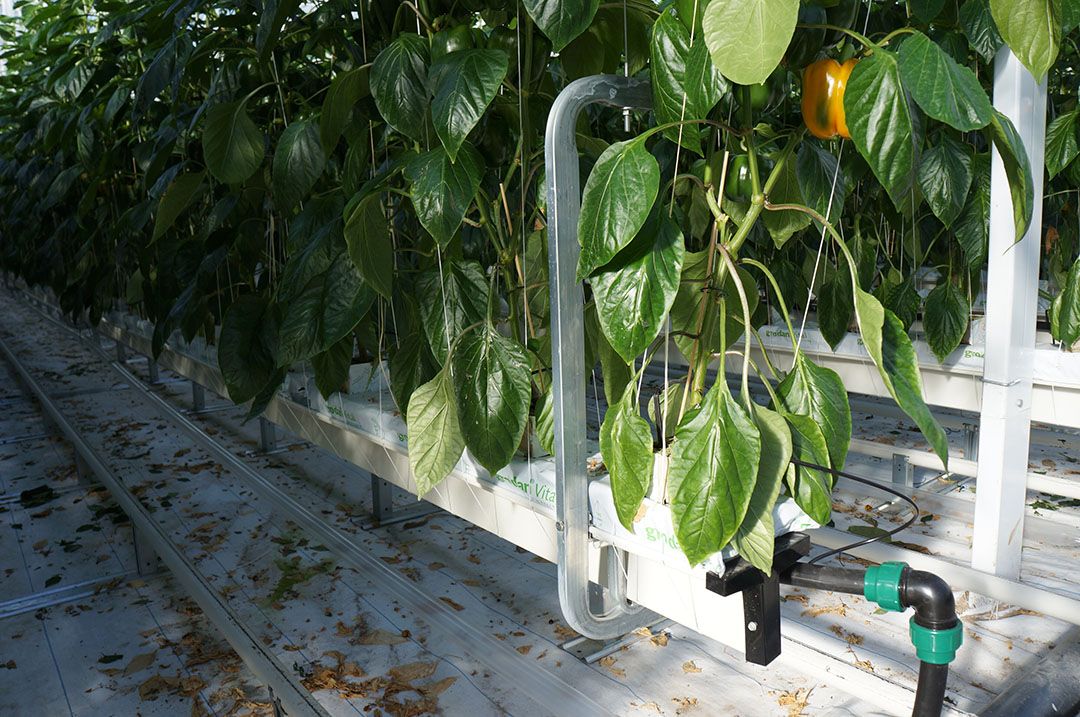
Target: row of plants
x=339 y=182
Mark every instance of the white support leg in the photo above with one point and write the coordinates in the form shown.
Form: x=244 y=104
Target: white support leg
x=1011 y=305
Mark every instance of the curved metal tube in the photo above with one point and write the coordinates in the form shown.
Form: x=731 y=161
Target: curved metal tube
x=568 y=359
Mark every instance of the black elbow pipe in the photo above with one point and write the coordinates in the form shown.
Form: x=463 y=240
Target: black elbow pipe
x=935 y=629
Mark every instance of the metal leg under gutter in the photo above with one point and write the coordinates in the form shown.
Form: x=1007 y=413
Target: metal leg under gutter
x=1049 y=688
x=562 y=165
x=296 y=699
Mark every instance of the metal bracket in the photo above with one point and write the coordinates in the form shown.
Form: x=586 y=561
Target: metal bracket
x=383 y=512
x=761 y=595
x=153 y=374
x=591 y=651
x=267 y=436
x=903 y=473
x=147 y=561
x=198 y=397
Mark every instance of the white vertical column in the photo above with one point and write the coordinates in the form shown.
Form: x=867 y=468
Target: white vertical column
x=1011 y=307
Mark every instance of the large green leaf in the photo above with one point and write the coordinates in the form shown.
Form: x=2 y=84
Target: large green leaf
x=246 y=347
x=180 y=194
x=634 y=293
x=1032 y=29
x=685 y=83
x=748 y=38
x=442 y=189
x=756 y=536
x=979 y=27
x=881 y=123
x=1017 y=168
x=945 y=177
x=345 y=91
x=891 y=350
x=783 y=225
x=232 y=144
x=561 y=20
x=273 y=16
x=1068 y=314
x=409 y=368
x=823 y=183
x=945 y=318
x=451 y=301
x=972 y=227
x=464 y=84
x=834 y=304
x=329 y=307
x=712 y=472
x=332 y=367
x=943 y=89
x=686 y=310
x=298 y=163
x=1061 y=142
x=435 y=439
x=811 y=488
x=399 y=84
x=494 y=388
x=616 y=202
x=626 y=444
x=818 y=392
x=367 y=235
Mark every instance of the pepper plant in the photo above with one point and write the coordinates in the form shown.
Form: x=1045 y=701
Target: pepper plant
x=315 y=185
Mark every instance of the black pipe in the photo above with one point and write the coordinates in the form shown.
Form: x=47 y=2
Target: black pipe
x=928 y=594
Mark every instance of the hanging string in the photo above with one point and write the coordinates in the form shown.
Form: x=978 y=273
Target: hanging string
x=821 y=246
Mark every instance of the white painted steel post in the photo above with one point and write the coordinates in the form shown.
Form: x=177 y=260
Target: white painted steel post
x=1011 y=305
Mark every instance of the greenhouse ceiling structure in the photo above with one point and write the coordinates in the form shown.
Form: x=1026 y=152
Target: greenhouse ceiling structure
x=540 y=357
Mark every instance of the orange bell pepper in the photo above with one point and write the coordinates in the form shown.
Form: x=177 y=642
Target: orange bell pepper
x=823 y=97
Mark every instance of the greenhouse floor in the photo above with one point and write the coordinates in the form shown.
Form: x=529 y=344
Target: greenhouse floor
x=84 y=632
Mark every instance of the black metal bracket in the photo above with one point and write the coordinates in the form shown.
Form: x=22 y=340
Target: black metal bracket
x=761 y=594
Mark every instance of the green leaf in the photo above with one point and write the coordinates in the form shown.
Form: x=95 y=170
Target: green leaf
x=821 y=179
x=627 y=447
x=561 y=20
x=450 y=303
x=685 y=83
x=614 y=369
x=979 y=27
x=1068 y=315
x=633 y=295
x=1061 y=142
x=399 y=85
x=943 y=89
x=926 y=10
x=345 y=91
x=330 y=305
x=756 y=536
x=545 y=421
x=273 y=16
x=712 y=473
x=435 y=439
x=247 y=346
x=367 y=235
x=1032 y=29
x=232 y=144
x=686 y=309
x=891 y=350
x=882 y=124
x=748 y=38
x=442 y=189
x=945 y=318
x=1070 y=15
x=298 y=163
x=1017 y=168
x=834 y=304
x=180 y=194
x=818 y=392
x=783 y=225
x=811 y=488
x=408 y=369
x=972 y=228
x=332 y=367
x=616 y=202
x=493 y=385
x=464 y=82
x=945 y=177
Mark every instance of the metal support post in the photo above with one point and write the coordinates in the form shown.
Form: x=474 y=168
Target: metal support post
x=902 y=470
x=971 y=442
x=121 y=353
x=267 y=436
x=152 y=370
x=383 y=512
x=1011 y=307
x=198 y=397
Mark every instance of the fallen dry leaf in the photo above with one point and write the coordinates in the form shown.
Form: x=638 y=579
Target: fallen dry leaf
x=139 y=663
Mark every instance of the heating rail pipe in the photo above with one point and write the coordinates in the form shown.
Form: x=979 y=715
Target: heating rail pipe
x=935 y=629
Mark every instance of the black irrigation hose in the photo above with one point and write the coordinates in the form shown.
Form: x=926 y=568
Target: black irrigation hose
x=865 y=481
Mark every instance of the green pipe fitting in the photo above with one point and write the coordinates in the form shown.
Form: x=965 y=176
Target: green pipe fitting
x=938 y=647
x=881 y=584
